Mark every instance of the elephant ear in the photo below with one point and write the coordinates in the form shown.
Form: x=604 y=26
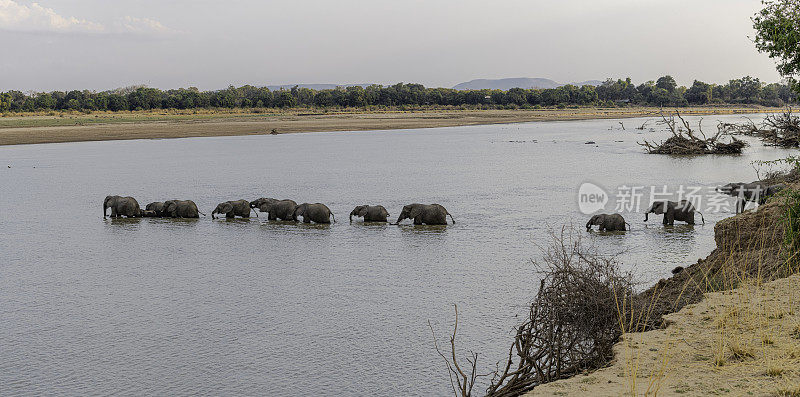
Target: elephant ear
x=362 y=211
x=264 y=207
x=658 y=207
x=225 y=208
x=414 y=211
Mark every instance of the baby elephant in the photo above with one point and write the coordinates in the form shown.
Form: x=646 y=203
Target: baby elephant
x=319 y=213
x=370 y=213
x=607 y=223
x=157 y=209
x=425 y=214
x=233 y=208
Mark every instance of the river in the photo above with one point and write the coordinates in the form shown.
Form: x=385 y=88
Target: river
x=251 y=307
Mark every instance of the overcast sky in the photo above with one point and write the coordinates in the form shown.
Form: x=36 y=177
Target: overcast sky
x=104 y=44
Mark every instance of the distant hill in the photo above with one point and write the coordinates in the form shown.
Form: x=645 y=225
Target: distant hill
x=314 y=86
x=588 y=82
x=518 y=82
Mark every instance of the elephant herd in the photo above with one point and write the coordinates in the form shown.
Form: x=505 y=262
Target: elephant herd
x=684 y=211
x=284 y=210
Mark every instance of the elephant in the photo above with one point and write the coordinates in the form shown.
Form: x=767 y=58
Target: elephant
x=319 y=213
x=681 y=211
x=428 y=214
x=149 y=214
x=608 y=222
x=370 y=213
x=276 y=209
x=181 y=209
x=264 y=200
x=754 y=192
x=121 y=206
x=157 y=207
x=233 y=208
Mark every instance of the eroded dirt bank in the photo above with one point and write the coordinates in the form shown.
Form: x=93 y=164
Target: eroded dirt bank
x=743 y=339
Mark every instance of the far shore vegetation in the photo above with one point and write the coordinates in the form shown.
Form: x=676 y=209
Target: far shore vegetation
x=663 y=92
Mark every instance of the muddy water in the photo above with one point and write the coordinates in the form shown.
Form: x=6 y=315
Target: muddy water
x=251 y=307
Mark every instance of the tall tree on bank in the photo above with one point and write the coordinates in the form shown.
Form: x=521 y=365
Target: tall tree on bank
x=778 y=34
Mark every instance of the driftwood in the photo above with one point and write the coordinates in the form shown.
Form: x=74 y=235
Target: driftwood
x=781 y=129
x=685 y=141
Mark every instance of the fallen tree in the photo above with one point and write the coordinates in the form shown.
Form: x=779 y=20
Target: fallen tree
x=782 y=129
x=684 y=140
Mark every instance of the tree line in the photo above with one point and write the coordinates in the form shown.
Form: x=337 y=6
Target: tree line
x=662 y=92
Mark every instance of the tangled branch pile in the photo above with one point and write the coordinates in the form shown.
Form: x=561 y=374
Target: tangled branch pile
x=574 y=321
x=684 y=141
x=578 y=314
x=776 y=130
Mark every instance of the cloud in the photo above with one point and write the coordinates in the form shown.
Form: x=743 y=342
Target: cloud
x=141 y=25
x=15 y=16
x=36 y=18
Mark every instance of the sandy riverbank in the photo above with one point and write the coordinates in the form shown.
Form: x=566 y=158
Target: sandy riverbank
x=741 y=342
x=28 y=129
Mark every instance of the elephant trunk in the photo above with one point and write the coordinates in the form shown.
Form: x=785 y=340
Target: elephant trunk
x=588 y=225
x=105 y=207
x=645 y=215
x=212 y=214
x=255 y=211
x=351 y=216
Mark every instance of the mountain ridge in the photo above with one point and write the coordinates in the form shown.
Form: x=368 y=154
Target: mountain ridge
x=517 y=82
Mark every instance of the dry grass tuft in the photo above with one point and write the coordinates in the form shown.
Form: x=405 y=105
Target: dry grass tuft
x=789 y=391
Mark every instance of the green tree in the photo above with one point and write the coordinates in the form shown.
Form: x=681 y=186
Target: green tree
x=667 y=82
x=699 y=93
x=45 y=101
x=777 y=28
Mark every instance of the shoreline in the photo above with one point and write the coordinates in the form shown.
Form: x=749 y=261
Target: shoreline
x=728 y=324
x=104 y=126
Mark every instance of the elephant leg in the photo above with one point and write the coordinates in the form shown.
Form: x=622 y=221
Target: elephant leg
x=229 y=215
x=271 y=216
x=417 y=221
x=306 y=220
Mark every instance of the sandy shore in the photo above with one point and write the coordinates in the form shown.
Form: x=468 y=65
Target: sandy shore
x=15 y=130
x=741 y=342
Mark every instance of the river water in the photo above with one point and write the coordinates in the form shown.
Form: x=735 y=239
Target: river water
x=252 y=307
